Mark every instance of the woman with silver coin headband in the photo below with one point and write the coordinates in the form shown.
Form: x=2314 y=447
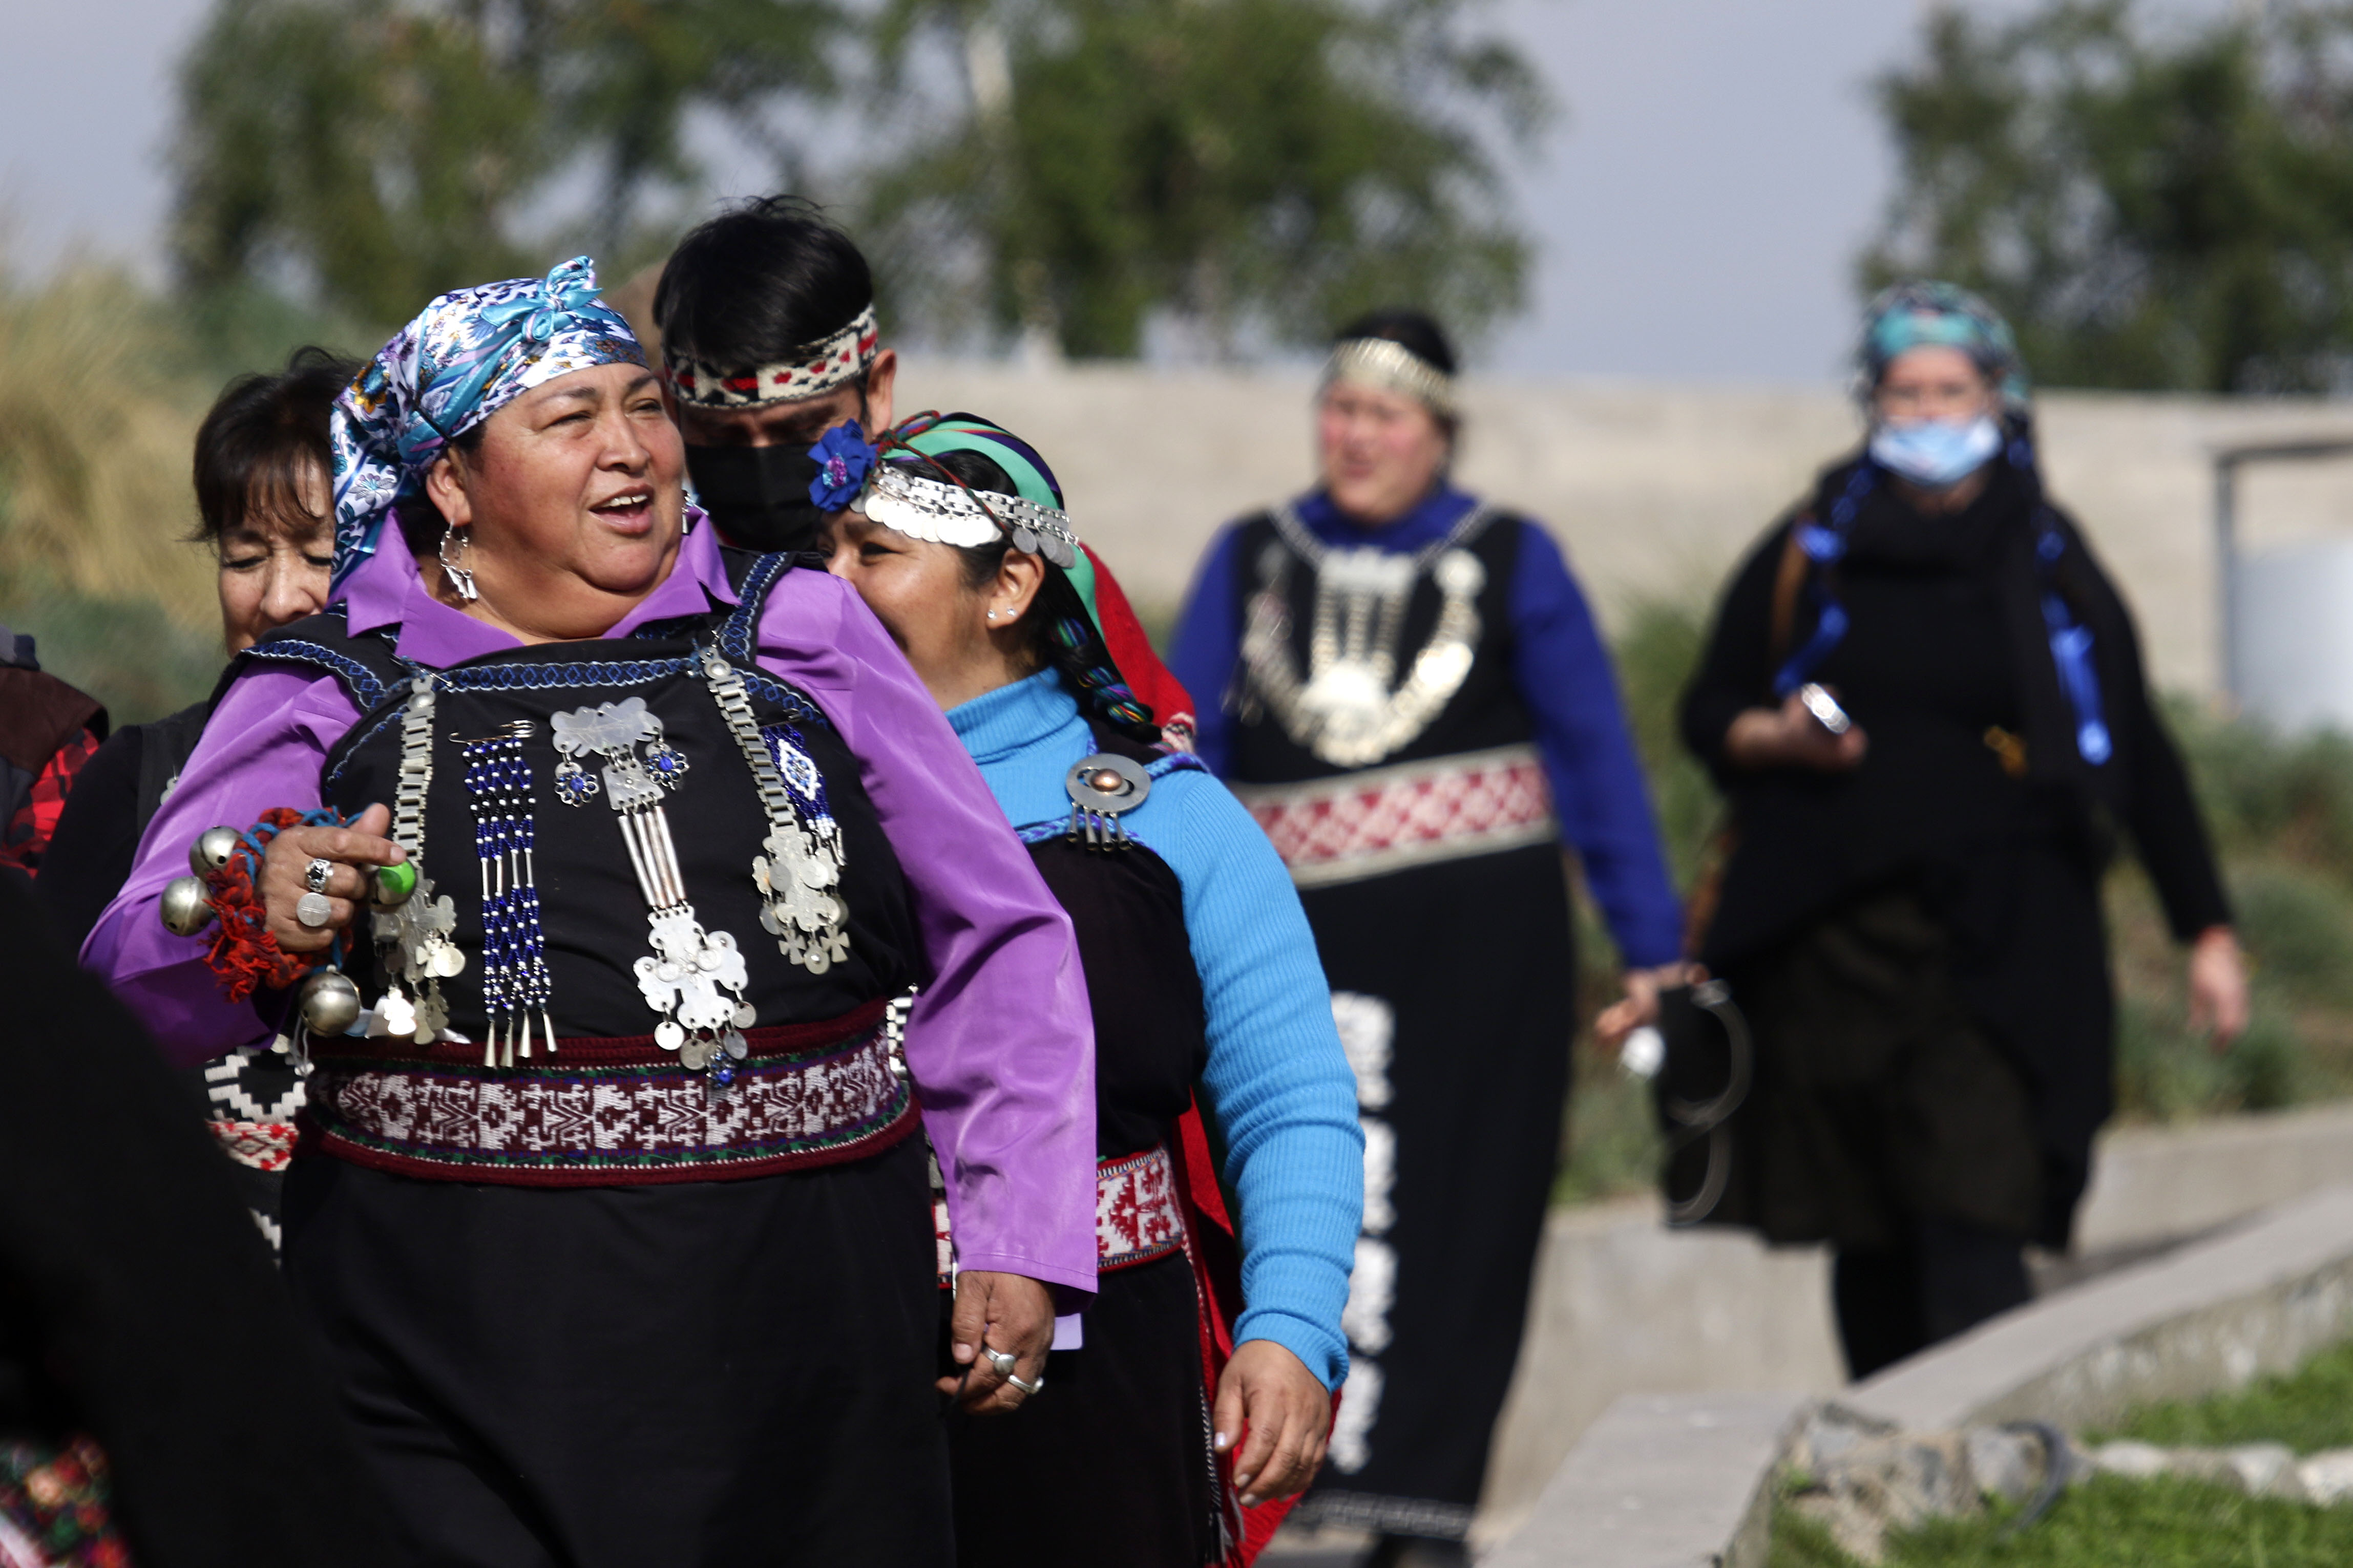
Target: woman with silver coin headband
x=605 y=1205
x=1200 y=1398
x=1418 y=711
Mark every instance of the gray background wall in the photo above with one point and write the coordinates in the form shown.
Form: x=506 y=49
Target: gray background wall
x=1654 y=489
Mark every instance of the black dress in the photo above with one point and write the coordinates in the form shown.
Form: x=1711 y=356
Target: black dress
x=592 y=1307
x=1429 y=860
x=1124 y=1420
x=1918 y=942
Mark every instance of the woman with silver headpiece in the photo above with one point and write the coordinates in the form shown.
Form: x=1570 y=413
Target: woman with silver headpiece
x=1925 y=702
x=1418 y=709
x=1200 y=1398
x=605 y=1207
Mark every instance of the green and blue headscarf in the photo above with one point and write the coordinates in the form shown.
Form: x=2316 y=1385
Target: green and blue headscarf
x=466 y=355
x=939 y=507
x=1928 y=313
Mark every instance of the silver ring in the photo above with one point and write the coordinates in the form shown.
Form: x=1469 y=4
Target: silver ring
x=315 y=875
x=1027 y=1387
x=314 y=909
x=1004 y=1362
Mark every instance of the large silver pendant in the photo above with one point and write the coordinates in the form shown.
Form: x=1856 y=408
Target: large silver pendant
x=416 y=935
x=693 y=980
x=1350 y=709
x=800 y=871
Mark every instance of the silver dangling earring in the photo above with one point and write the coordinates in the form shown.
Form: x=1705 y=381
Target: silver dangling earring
x=461 y=578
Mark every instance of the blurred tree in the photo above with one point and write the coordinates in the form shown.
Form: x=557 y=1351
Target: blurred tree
x=381 y=151
x=2155 y=208
x=1246 y=168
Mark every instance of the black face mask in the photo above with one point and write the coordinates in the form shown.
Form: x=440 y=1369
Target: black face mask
x=759 y=496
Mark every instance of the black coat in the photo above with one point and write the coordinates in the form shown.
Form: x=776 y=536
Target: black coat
x=137 y=1300
x=1947 y=641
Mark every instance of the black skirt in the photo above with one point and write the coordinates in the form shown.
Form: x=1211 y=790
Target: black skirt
x=719 y=1372
x=1473 y=961
x=1881 y=1095
x=1110 y=1463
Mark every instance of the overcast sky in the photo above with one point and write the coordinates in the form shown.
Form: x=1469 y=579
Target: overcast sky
x=1699 y=207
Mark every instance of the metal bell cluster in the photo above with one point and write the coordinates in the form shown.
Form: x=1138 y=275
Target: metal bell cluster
x=187 y=901
x=329 y=1003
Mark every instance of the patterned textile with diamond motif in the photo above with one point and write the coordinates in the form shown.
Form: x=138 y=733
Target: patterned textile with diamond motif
x=1379 y=820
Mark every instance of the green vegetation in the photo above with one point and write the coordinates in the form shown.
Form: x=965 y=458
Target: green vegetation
x=2155 y=202
x=2108 y=1522
x=1248 y=170
x=2309 y=1409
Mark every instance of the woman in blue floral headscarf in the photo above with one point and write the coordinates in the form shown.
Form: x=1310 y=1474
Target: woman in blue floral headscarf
x=607 y=1206
x=1924 y=701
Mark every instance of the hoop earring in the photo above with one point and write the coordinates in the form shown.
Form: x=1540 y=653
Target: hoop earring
x=461 y=578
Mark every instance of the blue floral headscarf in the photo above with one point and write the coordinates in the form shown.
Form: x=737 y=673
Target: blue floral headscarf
x=1911 y=315
x=466 y=355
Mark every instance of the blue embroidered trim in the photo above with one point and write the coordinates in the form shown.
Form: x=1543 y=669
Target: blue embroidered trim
x=358 y=680
x=1174 y=762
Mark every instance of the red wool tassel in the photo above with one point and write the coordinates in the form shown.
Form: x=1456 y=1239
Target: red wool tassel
x=243 y=953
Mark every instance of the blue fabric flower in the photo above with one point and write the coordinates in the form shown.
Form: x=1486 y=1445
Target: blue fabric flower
x=843 y=456
x=464 y=356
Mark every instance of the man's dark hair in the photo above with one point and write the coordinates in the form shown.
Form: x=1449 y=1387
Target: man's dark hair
x=262 y=433
x=1413 y=329
x=759 y=281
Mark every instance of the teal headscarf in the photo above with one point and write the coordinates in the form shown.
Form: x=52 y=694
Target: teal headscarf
x=1918 y=314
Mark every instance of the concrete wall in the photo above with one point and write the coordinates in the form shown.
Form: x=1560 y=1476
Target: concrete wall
x=1654 y=489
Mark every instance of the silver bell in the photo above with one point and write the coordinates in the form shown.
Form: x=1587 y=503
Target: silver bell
x=330 y=1003
x=212 y=849
x=187 y=906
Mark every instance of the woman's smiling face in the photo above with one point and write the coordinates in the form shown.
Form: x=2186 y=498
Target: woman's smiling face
x=572 y=499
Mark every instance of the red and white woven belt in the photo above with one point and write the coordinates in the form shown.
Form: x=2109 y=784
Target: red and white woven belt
x=611 y=1112
x=263 y=1145
x=1138 y=1216
x=1370 y=823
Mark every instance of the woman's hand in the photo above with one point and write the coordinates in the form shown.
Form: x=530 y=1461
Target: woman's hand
x=1286 y=1412
x=1790 y=736
x=2218 y=986
x=1005 y=1312
x=356 y=851
x=1639 y=1005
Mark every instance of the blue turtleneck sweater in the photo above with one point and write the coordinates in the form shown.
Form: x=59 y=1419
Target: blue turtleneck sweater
x=1563 y=676
x=1277 y=1079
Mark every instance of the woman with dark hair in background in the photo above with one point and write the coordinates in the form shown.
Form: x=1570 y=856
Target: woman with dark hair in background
x=1199 y=965
x=1924 y=701
x=768 y=340
x=1417 y=707
x=262 y=463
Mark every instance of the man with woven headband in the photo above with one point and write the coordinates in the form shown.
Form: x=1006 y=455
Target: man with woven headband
x=1200 y=968
x=769 y=340
x=1418 y=711
x=607 y=1207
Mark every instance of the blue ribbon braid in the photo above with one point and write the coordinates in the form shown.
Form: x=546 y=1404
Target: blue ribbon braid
x=2071 y=640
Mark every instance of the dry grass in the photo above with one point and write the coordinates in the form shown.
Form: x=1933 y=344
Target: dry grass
x=97 y=417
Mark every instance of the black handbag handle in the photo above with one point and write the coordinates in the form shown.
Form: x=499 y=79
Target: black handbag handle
x=1694 y=1120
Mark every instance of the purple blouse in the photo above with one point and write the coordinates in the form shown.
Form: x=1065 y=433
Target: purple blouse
x=1000 y=1042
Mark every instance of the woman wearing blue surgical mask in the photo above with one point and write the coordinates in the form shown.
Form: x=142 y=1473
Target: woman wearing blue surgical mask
x=1924 y=701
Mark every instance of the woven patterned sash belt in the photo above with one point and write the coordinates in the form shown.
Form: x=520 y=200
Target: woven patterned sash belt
x=1137 y=1216
x=1379 y=820
x=611 y=1112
